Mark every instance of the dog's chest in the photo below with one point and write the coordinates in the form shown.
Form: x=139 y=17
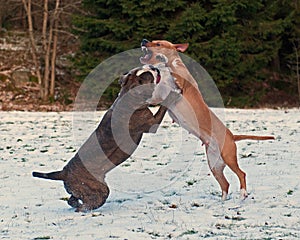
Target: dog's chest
x=183 y=114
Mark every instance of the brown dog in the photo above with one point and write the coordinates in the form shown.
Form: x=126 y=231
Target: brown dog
x=114 y=140
x=192 y=113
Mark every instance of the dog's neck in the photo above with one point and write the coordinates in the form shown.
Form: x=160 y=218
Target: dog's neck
x=183 y=78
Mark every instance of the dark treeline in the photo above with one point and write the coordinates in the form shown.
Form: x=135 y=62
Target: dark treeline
x=250 y=48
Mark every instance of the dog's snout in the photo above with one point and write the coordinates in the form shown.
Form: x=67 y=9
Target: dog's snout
x=144 y=42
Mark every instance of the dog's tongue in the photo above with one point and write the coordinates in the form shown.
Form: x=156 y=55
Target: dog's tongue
x=158 y=78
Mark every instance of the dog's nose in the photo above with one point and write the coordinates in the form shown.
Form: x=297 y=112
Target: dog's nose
x=144 y=42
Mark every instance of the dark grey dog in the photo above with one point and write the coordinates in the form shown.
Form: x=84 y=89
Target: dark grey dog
x=113 y=141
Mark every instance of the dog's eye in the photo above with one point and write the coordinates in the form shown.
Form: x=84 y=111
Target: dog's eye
x=158 y=44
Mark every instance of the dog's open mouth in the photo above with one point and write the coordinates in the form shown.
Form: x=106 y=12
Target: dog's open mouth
x=147 y=54
x=154 y=71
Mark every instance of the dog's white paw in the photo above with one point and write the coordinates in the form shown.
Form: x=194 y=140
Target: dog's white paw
x=224 y=195
x=244 y=194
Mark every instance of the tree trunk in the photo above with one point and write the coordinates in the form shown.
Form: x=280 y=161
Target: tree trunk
x=54 y=49
x=27 y=6
x=47 y=64
x=45 y=23
x=46 y=46
x=297 y=70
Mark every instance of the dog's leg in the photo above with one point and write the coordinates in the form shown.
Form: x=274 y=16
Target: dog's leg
x=230 y=160
x=74 y=202
x=156 y=119
x=241 y=175
x=217 y=165
x=91 y=202
x=94 y=197
x=220 y=177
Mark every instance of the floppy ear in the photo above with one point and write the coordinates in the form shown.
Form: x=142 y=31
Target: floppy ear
x=181 y=47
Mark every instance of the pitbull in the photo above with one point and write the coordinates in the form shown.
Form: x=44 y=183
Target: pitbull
x=113 y=141
x=193 y=114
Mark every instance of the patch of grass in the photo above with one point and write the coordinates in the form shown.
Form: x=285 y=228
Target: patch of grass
x=174 y=206
x=235 y=218
x=122 y=200
x=64 y=199
x=191 y=182
x=199 y=154
x=161 y=164
x=189 y=232
x=154 y=234
x=194 y=204
x=30 y=149
x=290 y=192
x=261 y=163
x=246 y=155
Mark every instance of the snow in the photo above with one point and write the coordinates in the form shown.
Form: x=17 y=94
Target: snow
x=164 y=191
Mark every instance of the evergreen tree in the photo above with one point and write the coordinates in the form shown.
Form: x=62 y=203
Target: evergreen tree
x=248 y=47
x=116 y=26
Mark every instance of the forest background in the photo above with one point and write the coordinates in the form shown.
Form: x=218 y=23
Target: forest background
x=47 y=47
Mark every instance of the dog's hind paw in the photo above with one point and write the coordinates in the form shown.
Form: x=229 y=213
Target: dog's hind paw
x=243 y=194
x=224 y=196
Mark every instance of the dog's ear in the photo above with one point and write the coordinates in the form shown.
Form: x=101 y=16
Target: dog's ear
x=181 y=47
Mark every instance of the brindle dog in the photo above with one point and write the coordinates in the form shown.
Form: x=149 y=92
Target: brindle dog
x=113 y=141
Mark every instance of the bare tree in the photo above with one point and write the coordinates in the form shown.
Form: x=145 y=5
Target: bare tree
x=44 y=58
x=297 y=67
x=28 y=8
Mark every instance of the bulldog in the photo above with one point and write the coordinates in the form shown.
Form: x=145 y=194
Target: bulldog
x=113 y=141
x=192 y=113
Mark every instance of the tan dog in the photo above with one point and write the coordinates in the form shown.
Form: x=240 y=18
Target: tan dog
x=193 y=114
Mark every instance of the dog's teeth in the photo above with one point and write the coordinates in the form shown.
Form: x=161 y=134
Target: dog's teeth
x=140 y=72
x=144 y=49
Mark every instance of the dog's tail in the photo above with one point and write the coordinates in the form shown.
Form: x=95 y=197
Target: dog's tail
x=59 y=175
x=252 y=137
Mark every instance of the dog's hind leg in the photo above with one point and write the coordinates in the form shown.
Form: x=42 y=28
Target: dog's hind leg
x=93 y=198
x=241 y=175
x=220 y=177
x=74 y=202
x=217 y=165
x=230 y=160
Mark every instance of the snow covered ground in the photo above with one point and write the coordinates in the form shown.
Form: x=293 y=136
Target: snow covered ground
x=164 y=191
